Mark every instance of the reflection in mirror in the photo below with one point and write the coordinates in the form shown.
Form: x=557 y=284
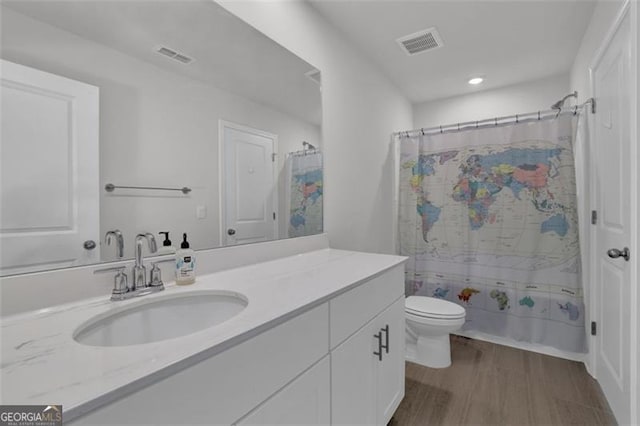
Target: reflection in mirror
x=122 y=118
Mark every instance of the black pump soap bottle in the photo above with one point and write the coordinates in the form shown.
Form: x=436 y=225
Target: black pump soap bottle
x=185 y=263
x=166 y=248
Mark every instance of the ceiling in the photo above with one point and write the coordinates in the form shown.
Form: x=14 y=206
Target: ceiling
x=228 y=53
x=507 y=42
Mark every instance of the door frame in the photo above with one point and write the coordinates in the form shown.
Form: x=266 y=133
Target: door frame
x=222 y=125
x=634 y=360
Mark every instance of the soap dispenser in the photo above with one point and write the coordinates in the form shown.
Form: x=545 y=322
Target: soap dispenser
x=166 y=248
x=185 y=263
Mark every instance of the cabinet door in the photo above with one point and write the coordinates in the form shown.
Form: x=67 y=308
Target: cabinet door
x=353 y=378
x=390 y=372
x=305 y=401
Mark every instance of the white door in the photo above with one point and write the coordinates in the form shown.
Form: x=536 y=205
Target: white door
x=390 y=380
x=249 y=194
x=612 y=141
x=48 y=171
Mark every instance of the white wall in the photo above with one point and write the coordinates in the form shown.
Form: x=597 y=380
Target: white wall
x=520 y=98
x=361 y=108
x=156 y=129
x=603 y=17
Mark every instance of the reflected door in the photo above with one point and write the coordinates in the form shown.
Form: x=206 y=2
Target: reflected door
x=612 y=84
x=49 y=213
x=249 y=193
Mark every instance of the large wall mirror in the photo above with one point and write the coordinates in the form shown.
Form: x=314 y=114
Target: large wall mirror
x=120 y=118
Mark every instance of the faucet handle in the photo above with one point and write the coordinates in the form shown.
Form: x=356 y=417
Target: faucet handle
x=155 y=280
x=120 y=287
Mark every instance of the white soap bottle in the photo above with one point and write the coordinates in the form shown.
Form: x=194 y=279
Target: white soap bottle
x=185 y=263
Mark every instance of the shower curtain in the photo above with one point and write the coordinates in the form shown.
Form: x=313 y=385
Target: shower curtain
x=489 y=219
x=304 y=193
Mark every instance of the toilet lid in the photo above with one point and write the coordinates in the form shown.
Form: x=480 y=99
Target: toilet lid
x=433 y=308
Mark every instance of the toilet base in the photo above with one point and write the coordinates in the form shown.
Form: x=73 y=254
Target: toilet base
x=430 y=351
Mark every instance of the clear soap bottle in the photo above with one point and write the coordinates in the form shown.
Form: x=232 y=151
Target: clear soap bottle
x=185 y=263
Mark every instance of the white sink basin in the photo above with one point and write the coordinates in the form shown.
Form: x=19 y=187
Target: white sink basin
x=160 y=318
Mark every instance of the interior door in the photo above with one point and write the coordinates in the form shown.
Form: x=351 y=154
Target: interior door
x=49 y=206
x=249 y=192
x=612 y=85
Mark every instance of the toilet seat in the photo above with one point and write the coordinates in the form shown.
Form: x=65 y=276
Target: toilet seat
x=431 y=307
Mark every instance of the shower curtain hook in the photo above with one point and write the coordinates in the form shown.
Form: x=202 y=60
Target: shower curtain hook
x=538 y=114
x=517 y=119
x=458 y=126
x=441 y=128
x=496 y=120
x=422 y=130
x=476 y=124
x=575 y=110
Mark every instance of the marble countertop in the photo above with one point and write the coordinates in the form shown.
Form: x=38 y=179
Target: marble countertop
x=43 y=364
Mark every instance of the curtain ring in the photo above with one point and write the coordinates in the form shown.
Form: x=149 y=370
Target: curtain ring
x=408 y=135
x=517 y=119
x=422 y=130
x=575 y=110
x=538 y=114
x=476 y=124
x=496 y=120
x=458 y=126
x=441 y=128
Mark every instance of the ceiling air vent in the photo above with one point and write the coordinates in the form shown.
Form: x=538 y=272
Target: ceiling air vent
x=421 y=41
x=170 y=53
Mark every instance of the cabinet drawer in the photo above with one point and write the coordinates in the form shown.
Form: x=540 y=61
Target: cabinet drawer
x=225 y=387
x=353 y=309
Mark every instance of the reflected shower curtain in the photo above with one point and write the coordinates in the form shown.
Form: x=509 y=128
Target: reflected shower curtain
x=489 y=220
x=304 y=193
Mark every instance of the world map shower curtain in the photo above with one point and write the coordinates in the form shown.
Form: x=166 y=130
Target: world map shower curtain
x=304 y=193
x=488 y=217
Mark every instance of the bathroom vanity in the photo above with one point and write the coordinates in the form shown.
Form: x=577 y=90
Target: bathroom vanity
x=320 y=340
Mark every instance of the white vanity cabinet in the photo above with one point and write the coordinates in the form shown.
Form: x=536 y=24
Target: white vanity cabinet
x=318 y=367
x=367 y=369
x=223 y=388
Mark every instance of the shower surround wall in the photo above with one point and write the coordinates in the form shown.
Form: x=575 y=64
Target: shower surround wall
x=483 y=104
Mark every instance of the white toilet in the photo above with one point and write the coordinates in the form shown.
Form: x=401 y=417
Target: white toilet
x=429 y=322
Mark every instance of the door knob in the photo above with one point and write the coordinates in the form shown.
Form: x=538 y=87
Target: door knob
x=231 y=231
x=89 y=245
x=615 y=253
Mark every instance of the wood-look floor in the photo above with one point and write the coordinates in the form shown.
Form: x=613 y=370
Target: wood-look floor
x=498 y=385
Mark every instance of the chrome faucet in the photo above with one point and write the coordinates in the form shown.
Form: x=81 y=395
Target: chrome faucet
x=119 y=241
x=139 y=271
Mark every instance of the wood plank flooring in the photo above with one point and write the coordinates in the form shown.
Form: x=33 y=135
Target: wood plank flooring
x=490 y=384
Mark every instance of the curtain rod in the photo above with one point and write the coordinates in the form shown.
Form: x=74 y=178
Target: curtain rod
x=303 y=152
x=497 y=121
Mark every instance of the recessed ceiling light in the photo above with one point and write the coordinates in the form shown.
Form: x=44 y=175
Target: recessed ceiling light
x=476 y=80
